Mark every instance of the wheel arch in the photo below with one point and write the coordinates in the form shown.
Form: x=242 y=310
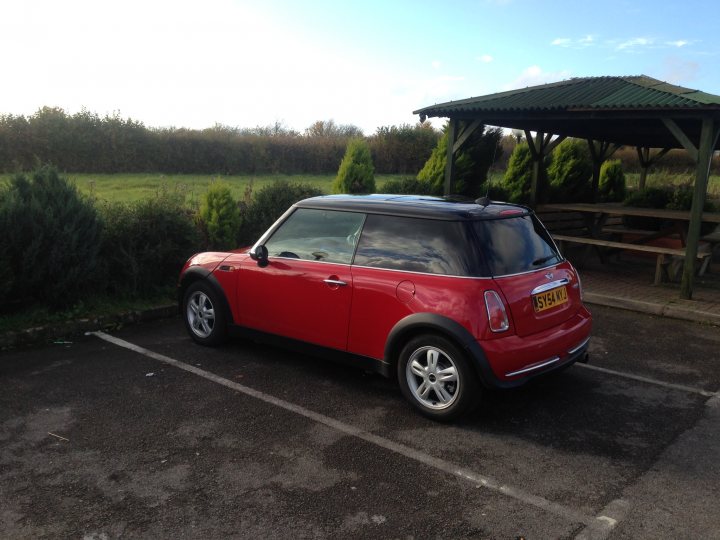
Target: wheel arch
x=432 y=323
x=198 y=273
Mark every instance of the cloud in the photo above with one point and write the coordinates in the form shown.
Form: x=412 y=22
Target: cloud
x=579 y=43
x=676 y=70
x=634 y=43
x=561 y=42
x=534 y=75
x=678 y=43
x=485 y=58
x=436 y=64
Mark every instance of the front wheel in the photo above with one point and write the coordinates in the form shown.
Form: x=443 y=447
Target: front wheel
x=203 y=315
x=436 y=378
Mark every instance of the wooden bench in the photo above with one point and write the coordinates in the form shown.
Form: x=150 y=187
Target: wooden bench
x=664 y=254
x=571 y=223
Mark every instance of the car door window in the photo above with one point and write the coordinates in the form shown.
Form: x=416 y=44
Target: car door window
x=317 y=235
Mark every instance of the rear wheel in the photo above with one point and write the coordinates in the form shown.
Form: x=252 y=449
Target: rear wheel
x=203 y=316
x=436 y=378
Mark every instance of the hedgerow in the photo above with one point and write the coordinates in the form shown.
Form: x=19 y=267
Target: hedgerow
x=86 y=142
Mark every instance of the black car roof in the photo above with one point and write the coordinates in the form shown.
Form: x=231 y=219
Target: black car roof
x=421 y=206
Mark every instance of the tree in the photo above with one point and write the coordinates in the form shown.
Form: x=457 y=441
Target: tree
x=356 y=173
x=328 y=128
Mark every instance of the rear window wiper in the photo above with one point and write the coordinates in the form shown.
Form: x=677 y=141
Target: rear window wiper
x=543 y=259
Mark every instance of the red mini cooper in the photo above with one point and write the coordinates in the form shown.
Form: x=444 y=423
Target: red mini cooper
x=450 y=296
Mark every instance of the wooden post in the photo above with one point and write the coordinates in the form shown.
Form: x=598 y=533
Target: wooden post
x=599 y=154
x=708 y=137
x=450 y=164
x=644 y=159
x=646 y=162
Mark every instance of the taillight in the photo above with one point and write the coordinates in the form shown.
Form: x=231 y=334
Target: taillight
x=497 y=316
x=580 y=287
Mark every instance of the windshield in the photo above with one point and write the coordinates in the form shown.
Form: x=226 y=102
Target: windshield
x=515 y=245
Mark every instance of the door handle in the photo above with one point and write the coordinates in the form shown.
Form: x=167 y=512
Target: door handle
x=336 y=282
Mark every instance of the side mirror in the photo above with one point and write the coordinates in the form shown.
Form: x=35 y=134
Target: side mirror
x=260 y=254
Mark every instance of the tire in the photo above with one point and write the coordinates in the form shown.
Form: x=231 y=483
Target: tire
x=436 y=378
x=203 y=314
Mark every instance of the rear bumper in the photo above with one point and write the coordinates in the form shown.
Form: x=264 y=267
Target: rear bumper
x=514 y=359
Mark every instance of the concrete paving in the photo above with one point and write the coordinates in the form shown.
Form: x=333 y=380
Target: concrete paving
x=628 y=284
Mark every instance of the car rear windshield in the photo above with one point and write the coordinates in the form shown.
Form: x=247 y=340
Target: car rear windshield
x=515 y=245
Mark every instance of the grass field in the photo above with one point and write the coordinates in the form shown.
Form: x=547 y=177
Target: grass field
x=663 y=178
x=134 y=187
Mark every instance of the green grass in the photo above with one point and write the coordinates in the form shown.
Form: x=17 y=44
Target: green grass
x=135 y=187
x=663 y=178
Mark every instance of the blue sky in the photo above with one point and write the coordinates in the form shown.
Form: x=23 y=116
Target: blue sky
x=369 y=63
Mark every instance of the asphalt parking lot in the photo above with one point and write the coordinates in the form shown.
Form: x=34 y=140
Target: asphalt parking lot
x=172 y=440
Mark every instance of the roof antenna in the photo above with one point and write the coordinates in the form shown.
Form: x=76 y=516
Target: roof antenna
x=484 y=201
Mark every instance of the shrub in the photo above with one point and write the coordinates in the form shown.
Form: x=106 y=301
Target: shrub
x=268 y=205
x=612 y=181
x=410 y=186
x=220 y=217
x=646 y=198
x=356 y=173
x=517 y=181
x=50 y=245
x=570 y=171
x=145 y=244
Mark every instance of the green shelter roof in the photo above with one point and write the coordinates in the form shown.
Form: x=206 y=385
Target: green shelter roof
x=625 y=110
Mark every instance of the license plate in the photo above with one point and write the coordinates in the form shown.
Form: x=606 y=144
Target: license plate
x=550 y=299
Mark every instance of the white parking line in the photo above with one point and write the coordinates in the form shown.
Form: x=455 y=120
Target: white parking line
x=648 y=380
x=601 y=524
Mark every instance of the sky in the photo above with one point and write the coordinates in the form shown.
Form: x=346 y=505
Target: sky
x=369 y=63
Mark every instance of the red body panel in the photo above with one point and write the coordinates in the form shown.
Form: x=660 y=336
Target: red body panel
x=517 y=290
x=513 y=352
x=378 y=304
x=288 y=297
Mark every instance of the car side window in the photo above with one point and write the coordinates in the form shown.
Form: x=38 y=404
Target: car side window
x=416 y=245
x=317 y=235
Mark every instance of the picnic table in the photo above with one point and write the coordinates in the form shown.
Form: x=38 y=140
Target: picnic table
x=600 y=227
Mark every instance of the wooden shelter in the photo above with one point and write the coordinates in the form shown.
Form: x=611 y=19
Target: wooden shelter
x=608 y=112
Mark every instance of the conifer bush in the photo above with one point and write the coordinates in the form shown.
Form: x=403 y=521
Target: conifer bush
x=570 y=171
x=517 y=181
x=50 y=242
x=220 y=217
x=612 y=181
x=472 y=163
x=356 y=173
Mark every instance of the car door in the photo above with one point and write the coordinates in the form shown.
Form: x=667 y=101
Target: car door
x=305 y=290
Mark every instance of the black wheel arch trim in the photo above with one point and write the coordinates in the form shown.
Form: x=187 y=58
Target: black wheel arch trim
x=198 y=273
x=434 y=323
